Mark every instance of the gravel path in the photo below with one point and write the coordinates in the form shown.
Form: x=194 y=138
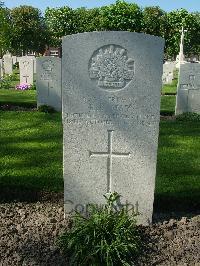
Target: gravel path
x=28 y=232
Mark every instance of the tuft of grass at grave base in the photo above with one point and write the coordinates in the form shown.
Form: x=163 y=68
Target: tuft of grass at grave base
x=31 y=152
x=104 y=237
x=18 y=98
x=178 y=166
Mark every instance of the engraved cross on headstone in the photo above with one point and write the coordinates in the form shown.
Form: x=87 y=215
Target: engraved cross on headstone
x=47 y=78
x=26 y=76
x=48 y=84
x=25 y=66
x=109 y=154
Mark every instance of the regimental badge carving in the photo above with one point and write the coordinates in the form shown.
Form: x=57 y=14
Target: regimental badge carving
x=25 y=64
x=48 y=67
x=111 y=67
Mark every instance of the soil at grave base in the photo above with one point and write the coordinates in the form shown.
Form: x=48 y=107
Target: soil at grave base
x=28 y=233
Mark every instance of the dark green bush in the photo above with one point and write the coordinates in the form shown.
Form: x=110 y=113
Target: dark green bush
x=102 y=237
x=32 y=87
x=16 y=65
x=5 y=82
x=46 y=109
x=188 y=117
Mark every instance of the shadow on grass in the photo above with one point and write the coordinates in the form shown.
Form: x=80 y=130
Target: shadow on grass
x=30 y=157
x=19 y=104
x=18 y=98
x=31 y=161
x=178 y=167
x=19 y=193
x=167 y=105
x=185 y=201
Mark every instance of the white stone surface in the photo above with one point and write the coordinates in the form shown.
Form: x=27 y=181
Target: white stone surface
x=111 y=84
x=7 y=64
x=18 y=58
x=14 y=58
x=48 y=82
x=26 y=70
x=1 y=68
x=188 y=90
x=34 y=62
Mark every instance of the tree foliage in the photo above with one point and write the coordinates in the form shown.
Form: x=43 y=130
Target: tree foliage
x=60 y=22
x=175 y=21
x=87 y=20
x=28 y=29
x=24 y=28
x=121 y=16
x=5 y=29
x=154 y=21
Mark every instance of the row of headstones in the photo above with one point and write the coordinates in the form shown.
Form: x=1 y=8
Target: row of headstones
x=27 y=67
x=168 y=70
x=188 y=98
x=111 y=83
x=188 y=87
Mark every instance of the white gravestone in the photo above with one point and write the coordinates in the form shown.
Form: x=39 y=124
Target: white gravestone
x=188 y=90
x=1 y=68
x=14 y=58
x=34 y=62
x=26 y=70
x=168 y=72
x=19 y=58
x=8 y=64
x=111 y=84
x=48 y=82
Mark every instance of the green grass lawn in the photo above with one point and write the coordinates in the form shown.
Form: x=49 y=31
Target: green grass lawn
x=21 y=98
x=31 y=151
x=171 y=88
x=168 y=105
x=31 y=158
x=28 y=99
x=178 y=167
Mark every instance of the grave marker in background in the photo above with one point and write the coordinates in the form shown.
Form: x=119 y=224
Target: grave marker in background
x=26 y=70
x=8 y=64
x=188 y=90
x=34 y=62
x=48 y=82
x=1 y=68
x=168 y=72
x=111 y=83
x=14 y=58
